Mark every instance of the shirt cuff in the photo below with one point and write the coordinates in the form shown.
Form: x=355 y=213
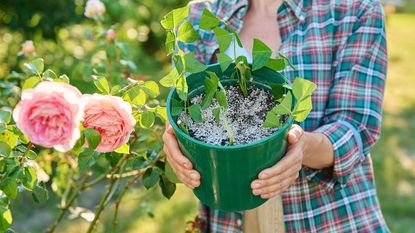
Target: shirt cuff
x=348 y=151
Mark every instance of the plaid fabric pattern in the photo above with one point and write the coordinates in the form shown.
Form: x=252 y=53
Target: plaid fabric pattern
x=340 y=45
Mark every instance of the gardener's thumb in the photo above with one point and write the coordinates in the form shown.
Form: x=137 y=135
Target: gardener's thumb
x=295 y=133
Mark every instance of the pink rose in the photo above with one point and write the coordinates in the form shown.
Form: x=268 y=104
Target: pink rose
x=28 y=48
x=50 y=114
x=112 y=117
x=110 y=35
x=94 y=8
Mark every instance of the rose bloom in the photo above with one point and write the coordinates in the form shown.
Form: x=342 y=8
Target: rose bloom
x=110 y=35
x=28 y=48
x=112 y=117
x=94 y=8
x=50 y=114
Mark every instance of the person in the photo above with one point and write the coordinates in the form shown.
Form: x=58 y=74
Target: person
x=326 y=178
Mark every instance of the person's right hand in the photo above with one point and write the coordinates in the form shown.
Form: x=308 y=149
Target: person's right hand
x=179 y=163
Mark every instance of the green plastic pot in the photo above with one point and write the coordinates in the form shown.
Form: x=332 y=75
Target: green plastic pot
x=227 y=171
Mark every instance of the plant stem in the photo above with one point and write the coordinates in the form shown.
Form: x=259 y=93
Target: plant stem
x=109 y=190
x=68 y=204
x=118 y=202
x=228 y=129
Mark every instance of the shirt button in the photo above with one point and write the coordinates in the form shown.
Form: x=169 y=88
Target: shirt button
x=302 y=18
x=239 y=222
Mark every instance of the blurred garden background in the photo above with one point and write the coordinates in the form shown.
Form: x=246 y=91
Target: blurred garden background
x=64 y=37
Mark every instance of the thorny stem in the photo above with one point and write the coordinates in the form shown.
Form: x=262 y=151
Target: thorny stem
x=109 y=190
x=69 y=203
x=118 y=202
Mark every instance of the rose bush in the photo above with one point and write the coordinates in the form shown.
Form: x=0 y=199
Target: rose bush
x=55 y=141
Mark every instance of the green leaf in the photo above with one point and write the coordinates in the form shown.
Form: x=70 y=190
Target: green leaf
x=111 y=51
x=181 y=87
x=176 y=107
x=102 y=84
x=167 y=187
x=277 y=91
x=302 y=109
x=187 y=33
x=220 y=96
x=261 y=54
x=167 y=21
x=178 y=61
x=29 y=178
x=10 y=138
x=30 y=154
x=195 y=111
x=183 y=127
x=272 y=120
x=92 y=137
x=87 y=158
x=5 y=116
x=180 y=14
x=211 y=86
x=224 y=38
x=276 y=64
x=30 y=82
x=147 y=119
x=35 y=67
x=208 y=20
x=63 y=78
x=224 y=61
x=5 y=218
x=40 y=193
x=9 y=187
x=168 y=171
x=216 y=114
x=140 y=99
x=123 y=149
x=5 y=149
x=170 y=79
x=302 y=90
x=150 y=177
x=170 y=40
x=287 y=60
x=192 y=65
x=285 y=106
x=50 y=74
x=151 y=88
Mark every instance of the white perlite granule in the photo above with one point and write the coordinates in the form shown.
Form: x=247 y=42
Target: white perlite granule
x=245 y=118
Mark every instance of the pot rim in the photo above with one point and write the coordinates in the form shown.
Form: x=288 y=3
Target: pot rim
x=176 y=128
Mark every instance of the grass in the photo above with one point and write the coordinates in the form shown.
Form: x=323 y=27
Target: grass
x=393 y=156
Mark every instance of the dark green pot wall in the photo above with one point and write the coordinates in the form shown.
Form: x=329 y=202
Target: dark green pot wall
x=227 y=171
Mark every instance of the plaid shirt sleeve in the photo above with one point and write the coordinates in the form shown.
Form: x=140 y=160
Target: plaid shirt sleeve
x=352 y=119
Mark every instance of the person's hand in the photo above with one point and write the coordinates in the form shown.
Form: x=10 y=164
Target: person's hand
x=282 y=175
x=179 y=163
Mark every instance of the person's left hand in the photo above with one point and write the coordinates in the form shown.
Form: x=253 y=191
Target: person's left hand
x=282 y=175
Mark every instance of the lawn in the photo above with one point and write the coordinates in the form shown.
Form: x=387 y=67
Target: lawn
x=394 y=159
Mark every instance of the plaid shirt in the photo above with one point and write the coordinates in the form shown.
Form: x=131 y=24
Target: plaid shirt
x=339 y=45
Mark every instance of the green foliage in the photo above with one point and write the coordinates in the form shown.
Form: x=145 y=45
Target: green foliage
x=261 y=54
x=195 y=111
x=302 y=90
x=208 y=21
x=92 y=137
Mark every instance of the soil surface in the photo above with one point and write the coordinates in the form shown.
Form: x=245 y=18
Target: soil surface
x=245 y=118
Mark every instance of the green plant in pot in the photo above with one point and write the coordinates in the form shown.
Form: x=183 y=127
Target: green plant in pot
x=231 y=119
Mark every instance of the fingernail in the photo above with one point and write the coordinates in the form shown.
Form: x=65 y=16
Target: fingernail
x=293 y=135
x=263 y=175
x=193 y=176
x=256 y=185
x=186 y=165
x=256 y=192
